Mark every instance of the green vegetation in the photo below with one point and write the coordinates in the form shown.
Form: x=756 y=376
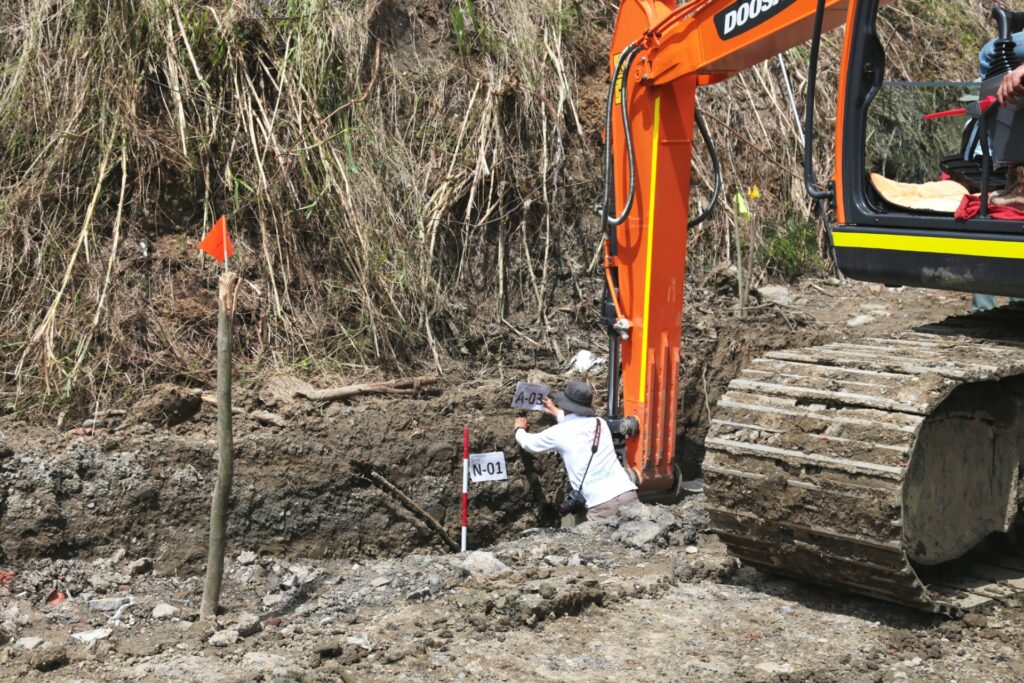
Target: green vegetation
x=792 y=249
x=395 y=175
x=463 y=17
x=370 y=159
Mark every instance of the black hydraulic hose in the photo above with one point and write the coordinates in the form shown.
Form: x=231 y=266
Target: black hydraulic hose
x=628 y=134
x=609 y=106
x=810 y=181
x=622 y=66
x=716 y=167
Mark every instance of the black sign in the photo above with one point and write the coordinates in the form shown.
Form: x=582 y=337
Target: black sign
x=529 y=396
x=744 y=15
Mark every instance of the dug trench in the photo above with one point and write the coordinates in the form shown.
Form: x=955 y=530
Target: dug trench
x=300 y=491
x=307 y=489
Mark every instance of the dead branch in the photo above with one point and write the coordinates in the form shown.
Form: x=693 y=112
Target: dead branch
x=414 y=507
x=396 y=386
x=264 y=416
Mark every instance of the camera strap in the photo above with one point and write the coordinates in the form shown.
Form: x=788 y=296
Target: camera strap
x=593 y=448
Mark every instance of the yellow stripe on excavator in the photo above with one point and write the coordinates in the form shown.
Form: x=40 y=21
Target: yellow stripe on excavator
x=650 y=241
x=929 y=245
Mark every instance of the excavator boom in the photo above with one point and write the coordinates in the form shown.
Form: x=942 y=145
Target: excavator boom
x=670 y=50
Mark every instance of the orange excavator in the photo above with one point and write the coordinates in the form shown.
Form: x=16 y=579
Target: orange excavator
x=890 y=466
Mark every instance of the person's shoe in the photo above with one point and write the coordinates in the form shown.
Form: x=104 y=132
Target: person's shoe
x=1013 y=195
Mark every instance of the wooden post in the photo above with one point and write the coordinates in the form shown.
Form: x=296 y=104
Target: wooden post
x=226 y=464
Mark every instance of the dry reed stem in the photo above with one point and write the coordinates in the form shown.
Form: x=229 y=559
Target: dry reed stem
x=382 y=180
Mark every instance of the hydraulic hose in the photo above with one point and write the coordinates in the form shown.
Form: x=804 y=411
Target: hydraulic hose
x=810 y=181
x=608 y=223
x=716 y=167
x=622 y=66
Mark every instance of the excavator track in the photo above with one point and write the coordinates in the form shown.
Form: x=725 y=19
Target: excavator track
x=886 y=467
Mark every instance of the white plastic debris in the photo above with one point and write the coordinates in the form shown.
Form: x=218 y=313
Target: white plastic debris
x=584 y=363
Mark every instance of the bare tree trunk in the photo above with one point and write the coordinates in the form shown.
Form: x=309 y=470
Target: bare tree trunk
x=225 y=469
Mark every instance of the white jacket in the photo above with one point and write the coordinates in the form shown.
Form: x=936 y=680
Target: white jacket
x=572 y=438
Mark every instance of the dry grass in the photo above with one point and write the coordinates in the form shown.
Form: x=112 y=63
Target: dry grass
x=394 y=172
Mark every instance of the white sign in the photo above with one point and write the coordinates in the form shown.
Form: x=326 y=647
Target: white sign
x=487 y=466
x=529 y=396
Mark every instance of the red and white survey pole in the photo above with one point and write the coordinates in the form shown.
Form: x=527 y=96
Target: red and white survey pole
x=465 y=483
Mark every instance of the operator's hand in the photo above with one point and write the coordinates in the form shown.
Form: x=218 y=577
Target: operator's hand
x=522 y=423
x=1011 y=87
x=549 y=406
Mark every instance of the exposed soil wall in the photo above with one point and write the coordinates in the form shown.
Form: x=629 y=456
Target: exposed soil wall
x=302 y=490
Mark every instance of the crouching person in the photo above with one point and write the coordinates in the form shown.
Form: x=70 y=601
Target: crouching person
x=598 y=481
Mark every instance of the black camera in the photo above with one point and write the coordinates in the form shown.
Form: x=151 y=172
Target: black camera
x=573 y=503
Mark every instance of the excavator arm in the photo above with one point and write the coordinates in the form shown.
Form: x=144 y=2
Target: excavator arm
x=662 y=52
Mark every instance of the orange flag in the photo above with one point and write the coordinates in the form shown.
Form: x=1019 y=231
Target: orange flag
x=217 y=242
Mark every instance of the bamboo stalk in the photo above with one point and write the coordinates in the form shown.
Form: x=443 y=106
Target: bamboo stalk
x=226 y=464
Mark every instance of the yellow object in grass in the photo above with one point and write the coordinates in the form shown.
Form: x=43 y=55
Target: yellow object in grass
x=739 y=203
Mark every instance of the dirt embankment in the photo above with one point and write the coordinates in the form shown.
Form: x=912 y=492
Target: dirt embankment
x=303 y=490
x=299 y=491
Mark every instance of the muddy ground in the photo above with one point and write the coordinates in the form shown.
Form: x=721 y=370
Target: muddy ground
x=332 y=577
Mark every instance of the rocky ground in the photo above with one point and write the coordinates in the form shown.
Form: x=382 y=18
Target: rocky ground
x=102 y=542
x=649 y=597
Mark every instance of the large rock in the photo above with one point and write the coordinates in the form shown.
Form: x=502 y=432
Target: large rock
x=29 y=642
x=273 y=599
x=48 y=658
x=482 y=563
x=647 y=513
x=91 y=636
x=246 y=557
x=265 y=661
x=641 y=525
x=165 y=611
x=247 y=624
x=224 y=638
x=778 y=294
x=638 y=534
x=141 y=566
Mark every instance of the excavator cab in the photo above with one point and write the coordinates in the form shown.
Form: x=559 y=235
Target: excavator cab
x=909 y=243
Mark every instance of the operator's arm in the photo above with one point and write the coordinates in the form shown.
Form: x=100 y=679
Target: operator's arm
x=534 y=443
